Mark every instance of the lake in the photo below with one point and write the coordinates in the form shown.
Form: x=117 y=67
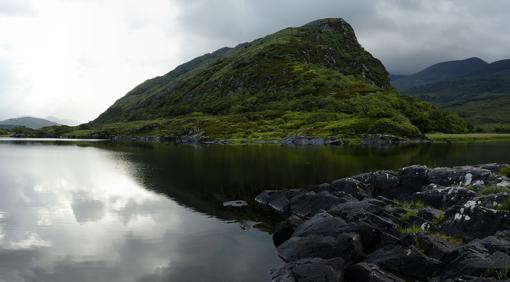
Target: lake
x=101 y=211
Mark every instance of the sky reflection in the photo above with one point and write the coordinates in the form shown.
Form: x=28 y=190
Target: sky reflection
x=70 y=213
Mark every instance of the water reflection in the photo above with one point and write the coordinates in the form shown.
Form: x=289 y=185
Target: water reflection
x=148 y=212
x=74 y=213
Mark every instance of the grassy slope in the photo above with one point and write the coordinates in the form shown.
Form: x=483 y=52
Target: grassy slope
x=313 y=80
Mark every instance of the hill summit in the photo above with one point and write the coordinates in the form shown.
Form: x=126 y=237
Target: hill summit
x=310 y=80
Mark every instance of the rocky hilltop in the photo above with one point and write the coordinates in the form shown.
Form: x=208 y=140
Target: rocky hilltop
x=313 y=80
x=414 y=224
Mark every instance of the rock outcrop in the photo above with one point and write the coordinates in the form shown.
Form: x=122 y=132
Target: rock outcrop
x=414 y=224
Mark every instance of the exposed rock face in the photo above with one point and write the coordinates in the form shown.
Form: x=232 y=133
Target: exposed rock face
x=450 y=224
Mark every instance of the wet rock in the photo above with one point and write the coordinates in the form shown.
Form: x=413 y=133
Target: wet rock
x=310 y=270
x=366 y=272
x=346 y=246
x=237 y=204
x=406 y=261
x=277 y=200
x=284 y=230
x=472 y=221
x=309 y=204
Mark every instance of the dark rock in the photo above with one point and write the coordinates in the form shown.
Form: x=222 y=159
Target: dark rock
x=347 y=246
x=366 y=272
x=284 y=230
x=406 y=261
x=444 y=176
x=308 y=204
x=237 y=204
x=474 y=260
x=494 y=167
x=309 y=140
x=493 y=201
x=430 y=214
x=440 y=197
x=413 y=178
x=383 y=139
x=277 y=200
x=351 y=211
x=472 y=221
x=350 y=186
x=310 y=270
x=433 y=246
x=321 y=224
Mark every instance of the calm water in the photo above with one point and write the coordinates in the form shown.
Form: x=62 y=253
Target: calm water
x=94 y=211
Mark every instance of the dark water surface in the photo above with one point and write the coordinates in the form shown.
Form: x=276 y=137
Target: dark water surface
x=96 y=211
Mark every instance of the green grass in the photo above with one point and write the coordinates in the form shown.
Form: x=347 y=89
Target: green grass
x=413 y=229
x=414 y=205
x=492 y=190
x=454 y=240
x=505 y=171
x=500 y=274
x=505 y=205
x=468 y=137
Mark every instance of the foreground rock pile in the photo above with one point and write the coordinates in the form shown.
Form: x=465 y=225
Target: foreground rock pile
x=414 y=224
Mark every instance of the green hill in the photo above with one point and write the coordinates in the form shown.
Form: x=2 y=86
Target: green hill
x=481 y=97
x=28 y=122
x=311 y=80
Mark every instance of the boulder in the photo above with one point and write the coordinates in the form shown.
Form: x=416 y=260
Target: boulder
x=350 y=186
x=474 y=260
x=366 y=272
x=278 y=200
x=433 y=246
x=309 y=270
x=413 y=178
x=284 y=230
x=407 y=261
x=472 y=221
x=321 y=224
x=310 y=203
x=347 y=246
x=441 y=197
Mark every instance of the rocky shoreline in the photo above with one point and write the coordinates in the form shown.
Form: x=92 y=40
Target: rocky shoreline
x=371 y=140
x=414 y=224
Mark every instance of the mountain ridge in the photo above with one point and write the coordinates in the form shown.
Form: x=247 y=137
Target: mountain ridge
x=312 y=80
x=482 y=97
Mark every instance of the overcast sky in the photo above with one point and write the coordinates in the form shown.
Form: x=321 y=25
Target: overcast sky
x=74 y=58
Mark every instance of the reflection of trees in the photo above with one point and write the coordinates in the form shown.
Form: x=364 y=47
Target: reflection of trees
x=203 y=177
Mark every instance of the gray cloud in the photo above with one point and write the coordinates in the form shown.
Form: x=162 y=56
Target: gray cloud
x=405 y=35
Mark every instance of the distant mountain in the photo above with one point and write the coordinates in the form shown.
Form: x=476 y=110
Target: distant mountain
x=310 y=80
x=481 y=96
x=439 y=72
x=29 y=122
x=68 y=122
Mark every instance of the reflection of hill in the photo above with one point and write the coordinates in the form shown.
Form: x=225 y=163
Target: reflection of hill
x=202 y=178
